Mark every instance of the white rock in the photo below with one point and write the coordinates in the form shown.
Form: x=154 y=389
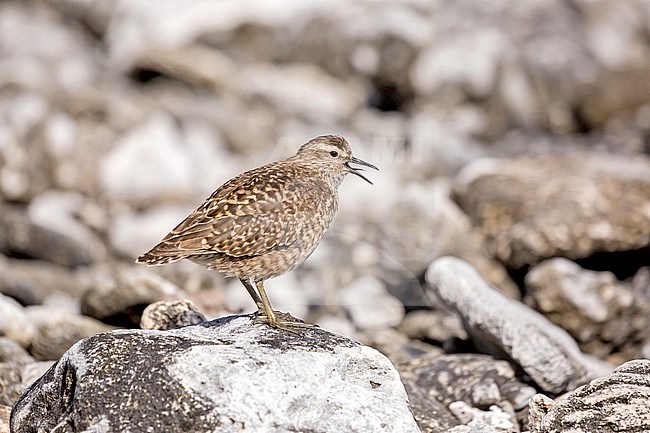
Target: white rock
x=228 y=376
x=149 y=162
x=502 y=326
x=337 y=325
x=301 y=90
x=58 y=211
x=370 y=304
x=495 y=417
x=470 y=59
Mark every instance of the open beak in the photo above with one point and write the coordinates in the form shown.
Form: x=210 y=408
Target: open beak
x=356 y=171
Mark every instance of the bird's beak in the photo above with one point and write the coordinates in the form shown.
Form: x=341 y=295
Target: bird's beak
x=356 y=171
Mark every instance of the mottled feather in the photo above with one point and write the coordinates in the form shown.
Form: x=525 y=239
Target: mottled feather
x=266 y=221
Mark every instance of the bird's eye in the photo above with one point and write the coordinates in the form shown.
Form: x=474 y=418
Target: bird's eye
x=334 y=154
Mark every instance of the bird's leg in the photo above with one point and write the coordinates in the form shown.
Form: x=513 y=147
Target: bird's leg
x=266 y=305
x=288 y=323
x=254 y=295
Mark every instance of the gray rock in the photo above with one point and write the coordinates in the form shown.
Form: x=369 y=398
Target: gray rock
x=476 y=391
x=19 y=235
x=480 y=428
x=532 y=208
x=10 y=351
x=527 y=77
x=432 y=416
x=120 y=300
x=478 y=380
x=506 y=328
x=164 y=315
x=433 y=325
x=227 y=374
x=32 y=282
x=494 y=420
x=61 y=212
x=396 y=346
x=617 y=402
x=14 y=323
x=416 y=231
x=301 y=90
x=131 y=171
x=370 y=305
x=56 y=330
x=591 y=306
x=640 y=313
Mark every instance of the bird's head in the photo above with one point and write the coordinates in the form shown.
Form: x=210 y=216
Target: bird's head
x=332 y=155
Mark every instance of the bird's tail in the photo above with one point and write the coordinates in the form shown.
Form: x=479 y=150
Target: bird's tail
x=152 y=259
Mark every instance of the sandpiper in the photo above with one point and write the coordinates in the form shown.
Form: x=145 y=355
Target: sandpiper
x=265 y=222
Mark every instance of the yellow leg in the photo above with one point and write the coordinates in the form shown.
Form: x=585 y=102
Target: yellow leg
x=253 y=293
x=266 y=305
x=288 y=323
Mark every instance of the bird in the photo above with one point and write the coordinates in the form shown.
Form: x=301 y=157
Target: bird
x=266 y=221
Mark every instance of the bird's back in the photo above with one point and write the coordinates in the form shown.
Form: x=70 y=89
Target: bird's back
x=280 y=210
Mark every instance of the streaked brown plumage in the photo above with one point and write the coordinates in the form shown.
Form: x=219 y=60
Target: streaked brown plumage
x=264 y=222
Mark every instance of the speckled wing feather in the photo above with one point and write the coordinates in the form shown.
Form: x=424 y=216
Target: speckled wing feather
x=251 y=214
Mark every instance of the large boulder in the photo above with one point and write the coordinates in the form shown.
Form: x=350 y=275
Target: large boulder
x=509 y=329
x=599 y=311
x=532 y=208
x=227 y=375
x=19 y=235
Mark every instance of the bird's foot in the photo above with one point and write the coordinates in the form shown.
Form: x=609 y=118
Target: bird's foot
x=284 y=321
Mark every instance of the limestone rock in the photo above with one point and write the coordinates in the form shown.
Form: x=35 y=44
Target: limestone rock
x=130 y=233
x=432 y=416
x=614 y=403
x=131 y=170
x=33 y=282
x=171 y=314
x=228 y=374
x=480 y=428
x=589 y=305
x=63 y=212
x=19 y=235
x=507 y=328
x=532 y=208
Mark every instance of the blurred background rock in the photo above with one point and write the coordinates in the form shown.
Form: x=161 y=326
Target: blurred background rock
x=507 y=133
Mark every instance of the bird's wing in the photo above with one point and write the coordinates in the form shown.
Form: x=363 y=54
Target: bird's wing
x=247 y=216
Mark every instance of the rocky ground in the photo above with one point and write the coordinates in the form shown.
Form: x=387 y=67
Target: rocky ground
x=501 y=260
